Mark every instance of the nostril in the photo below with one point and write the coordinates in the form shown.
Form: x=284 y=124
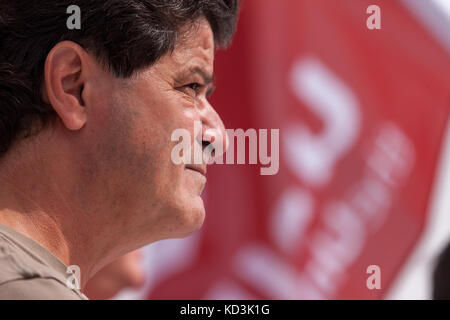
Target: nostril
x=207 y=144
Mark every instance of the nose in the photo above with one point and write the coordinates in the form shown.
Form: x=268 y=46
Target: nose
x=213 y=130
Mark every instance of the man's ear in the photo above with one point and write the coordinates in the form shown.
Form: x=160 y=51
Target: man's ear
x=65 y=76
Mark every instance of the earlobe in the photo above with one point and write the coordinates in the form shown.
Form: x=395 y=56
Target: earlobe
x=65 y=76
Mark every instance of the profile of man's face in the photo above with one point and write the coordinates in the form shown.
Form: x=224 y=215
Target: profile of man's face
x=127 y=139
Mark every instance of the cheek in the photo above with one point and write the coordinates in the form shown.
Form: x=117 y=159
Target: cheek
x=139 y=152
x=144 y=144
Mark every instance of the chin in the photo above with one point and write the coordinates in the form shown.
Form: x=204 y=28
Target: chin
x=189 y=218
x=194 y=219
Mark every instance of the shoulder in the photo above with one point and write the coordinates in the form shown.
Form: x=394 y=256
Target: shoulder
x=14 y=264
x=36 y=289
x=23 y=277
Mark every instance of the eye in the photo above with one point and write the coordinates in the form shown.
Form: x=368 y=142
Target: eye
x=195 y=88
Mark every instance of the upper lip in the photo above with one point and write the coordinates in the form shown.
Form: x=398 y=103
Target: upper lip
x=201 y=169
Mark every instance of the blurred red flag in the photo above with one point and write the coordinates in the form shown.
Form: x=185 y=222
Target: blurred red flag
x=361 y=115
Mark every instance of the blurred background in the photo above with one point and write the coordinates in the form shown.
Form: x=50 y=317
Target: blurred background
x=364 y=175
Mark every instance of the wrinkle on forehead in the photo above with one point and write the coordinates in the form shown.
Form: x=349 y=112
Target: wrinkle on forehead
x=197 y=41
x=194 y=46
x=200 y=31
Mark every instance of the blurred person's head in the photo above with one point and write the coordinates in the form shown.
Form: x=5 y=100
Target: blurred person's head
x=441 y=275
x=86 y=119
x=125 y=273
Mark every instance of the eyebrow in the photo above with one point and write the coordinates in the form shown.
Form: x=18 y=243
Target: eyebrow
x=207 y=78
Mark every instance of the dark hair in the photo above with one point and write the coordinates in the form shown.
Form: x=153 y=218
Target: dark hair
x=124 y=35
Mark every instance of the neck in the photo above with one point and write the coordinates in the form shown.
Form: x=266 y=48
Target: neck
x=34 y=202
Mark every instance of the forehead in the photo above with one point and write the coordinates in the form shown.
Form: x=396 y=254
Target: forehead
x=195 y=46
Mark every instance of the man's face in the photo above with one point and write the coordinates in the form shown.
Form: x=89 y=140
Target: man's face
x=133 y=124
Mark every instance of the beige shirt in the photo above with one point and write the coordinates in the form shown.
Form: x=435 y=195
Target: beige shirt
x=28 y=271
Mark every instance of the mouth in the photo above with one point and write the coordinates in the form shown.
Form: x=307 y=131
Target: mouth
x=199 y=169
